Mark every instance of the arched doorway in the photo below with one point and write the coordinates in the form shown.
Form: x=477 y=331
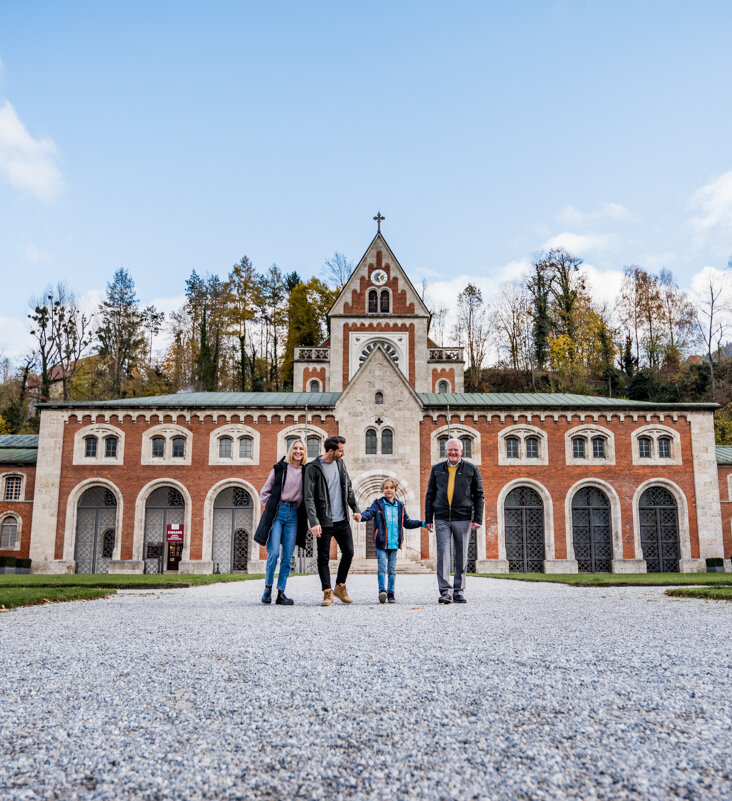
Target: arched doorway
x=592 y=531
x=659 y=530
x=96 y=519
x=524 y=530
x=233 y=518
x=164 y=506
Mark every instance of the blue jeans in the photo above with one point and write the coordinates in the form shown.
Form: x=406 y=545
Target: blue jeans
x=283 y=534
x=386 y=561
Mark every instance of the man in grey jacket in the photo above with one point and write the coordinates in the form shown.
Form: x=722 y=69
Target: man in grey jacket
x=327 y=494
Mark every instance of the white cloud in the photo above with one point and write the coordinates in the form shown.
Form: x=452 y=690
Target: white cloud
x=15 y=341
x=714 y=202
x=570 y=215
x=579 y=244
x=603 y=285
x=26 y=163
x=34 y=254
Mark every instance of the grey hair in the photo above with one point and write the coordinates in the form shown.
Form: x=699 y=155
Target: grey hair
x=456 y=441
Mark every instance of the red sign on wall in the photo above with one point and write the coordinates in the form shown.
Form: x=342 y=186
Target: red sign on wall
x=174 y=532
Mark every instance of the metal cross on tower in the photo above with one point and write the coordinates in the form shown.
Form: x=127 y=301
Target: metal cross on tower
x=379 y=217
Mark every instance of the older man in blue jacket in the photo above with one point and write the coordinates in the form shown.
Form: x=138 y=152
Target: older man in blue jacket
x=454 y=500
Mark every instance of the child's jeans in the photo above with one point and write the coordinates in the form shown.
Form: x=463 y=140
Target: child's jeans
x=387 y=564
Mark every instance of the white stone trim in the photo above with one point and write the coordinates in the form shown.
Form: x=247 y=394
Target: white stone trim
x=138 y=538
x=168 y=431
x=655 y=431
x=208 y=515
x=546 y=498
x=456 y=430
x=615 y=514
x=101 y=431
x=358 y=340
x=588 y=431
x=299 y=430
x=729 y=487
x=18 y=527
x=706 y=485
x=12 y=474
x=310 y=382
x=72 y=507
x=46 y=493
x=682 y=515
x=235 y=431
x=523 y=431
x=387 y=423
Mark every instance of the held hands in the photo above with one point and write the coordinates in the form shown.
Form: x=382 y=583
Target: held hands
x=317 y=530
x=357 y=517
x=430 y=526
x=473 y=526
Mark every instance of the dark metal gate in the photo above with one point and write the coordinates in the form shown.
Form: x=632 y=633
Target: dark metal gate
x=96 y=520
x=305 y=560
x=233 y=519
x=165 y=505
x=524 y=528
x=472 y=552
x=659 y=530
x=592 y=531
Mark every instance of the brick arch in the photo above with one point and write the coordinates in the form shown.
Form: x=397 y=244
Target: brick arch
x=358 y=302
x=72 y=506
x=313 y=372
x=208 y=507
x=443 y=374
x=546 y=498
x=139 y=530
x=615 y=516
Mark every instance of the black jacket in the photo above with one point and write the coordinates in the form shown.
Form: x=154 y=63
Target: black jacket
x=315 y=497
x=467 y=497
x=266 y=521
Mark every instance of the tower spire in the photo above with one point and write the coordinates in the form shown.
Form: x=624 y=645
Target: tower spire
x=379 y=217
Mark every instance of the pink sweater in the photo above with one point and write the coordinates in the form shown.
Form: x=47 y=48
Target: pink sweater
x=292 y=491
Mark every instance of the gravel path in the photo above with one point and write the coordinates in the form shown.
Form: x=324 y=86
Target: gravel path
x=529 y=691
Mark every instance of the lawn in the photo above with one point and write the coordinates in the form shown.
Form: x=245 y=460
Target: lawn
x=617 y=579
x=117 y=582
x=708 y=593
x=12 y=597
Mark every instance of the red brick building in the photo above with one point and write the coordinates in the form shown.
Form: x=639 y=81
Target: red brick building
x=571 y=482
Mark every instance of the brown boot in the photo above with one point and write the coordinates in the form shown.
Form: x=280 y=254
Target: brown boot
x=327 y=598
x=341 y=593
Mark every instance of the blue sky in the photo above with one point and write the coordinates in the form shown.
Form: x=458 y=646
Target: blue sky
x=164 y=137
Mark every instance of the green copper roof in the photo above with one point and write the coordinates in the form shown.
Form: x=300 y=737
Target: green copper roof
x=724 y=454
x=199 y=400
x=18 y=455
x=546 y=400
x=18 y=440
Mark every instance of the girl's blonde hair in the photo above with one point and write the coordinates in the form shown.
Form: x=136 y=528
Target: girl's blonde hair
x=392 y=481
x=290 y=459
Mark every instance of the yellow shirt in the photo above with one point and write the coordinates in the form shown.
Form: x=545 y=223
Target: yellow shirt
x=451 y=471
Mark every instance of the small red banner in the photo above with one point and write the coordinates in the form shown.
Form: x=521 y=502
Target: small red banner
x=174 y=532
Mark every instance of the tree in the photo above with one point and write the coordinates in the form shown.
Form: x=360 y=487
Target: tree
x=338 y=270
x=471 y=330
x=710 y=321
x=121 y=335
x=241 y=302
x=511 y=320
x=538 y=285
x=307 y=310
x=677 y=313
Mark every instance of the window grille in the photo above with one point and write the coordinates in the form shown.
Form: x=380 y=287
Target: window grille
x=12 y=488
x=387 y=441
x=9 y=532
x=158 y=447
x=108 y=544
x=443 y=447
x=532 y=447
x=664 y=447
x=313 y=447
x=90 y=447
x=598 y=447
x=644 y=447
x=512 y=448
x=467 y=443
x=179 y=447
x=225 y=444
x=578 y=448
x=370 y=441
x=246 y=447
x=110 y=447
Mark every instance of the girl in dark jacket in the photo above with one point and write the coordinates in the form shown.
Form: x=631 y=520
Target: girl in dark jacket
x=283 y=522
x=390 y=519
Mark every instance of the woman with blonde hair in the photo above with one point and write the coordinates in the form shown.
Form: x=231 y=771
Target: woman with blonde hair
x=283 y=523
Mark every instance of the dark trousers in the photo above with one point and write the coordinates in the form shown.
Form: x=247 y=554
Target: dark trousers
x=342 y=533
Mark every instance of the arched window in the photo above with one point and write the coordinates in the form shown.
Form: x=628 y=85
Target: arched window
x=9 y=532
x=578 y=448
x=467 y=443
x=532 y=447
x=379 y=399
x=384 y=304
x=598 y=447
x=314 y=385
x=373 y=301
x=225 y=444
x=443 y=447
x=387 y=441
x=179 y=447
x=90 y=447
x=13 y=486
x=512 y=447
x=110 y=447
x=313 y=447
x=158 y=447
x=370 y=440
x=644 y=447
x=664 y=447
x=245 y=447
x=289 y=441
x=443 y=387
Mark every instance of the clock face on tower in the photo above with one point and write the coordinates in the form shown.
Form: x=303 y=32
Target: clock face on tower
x=378 y=277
